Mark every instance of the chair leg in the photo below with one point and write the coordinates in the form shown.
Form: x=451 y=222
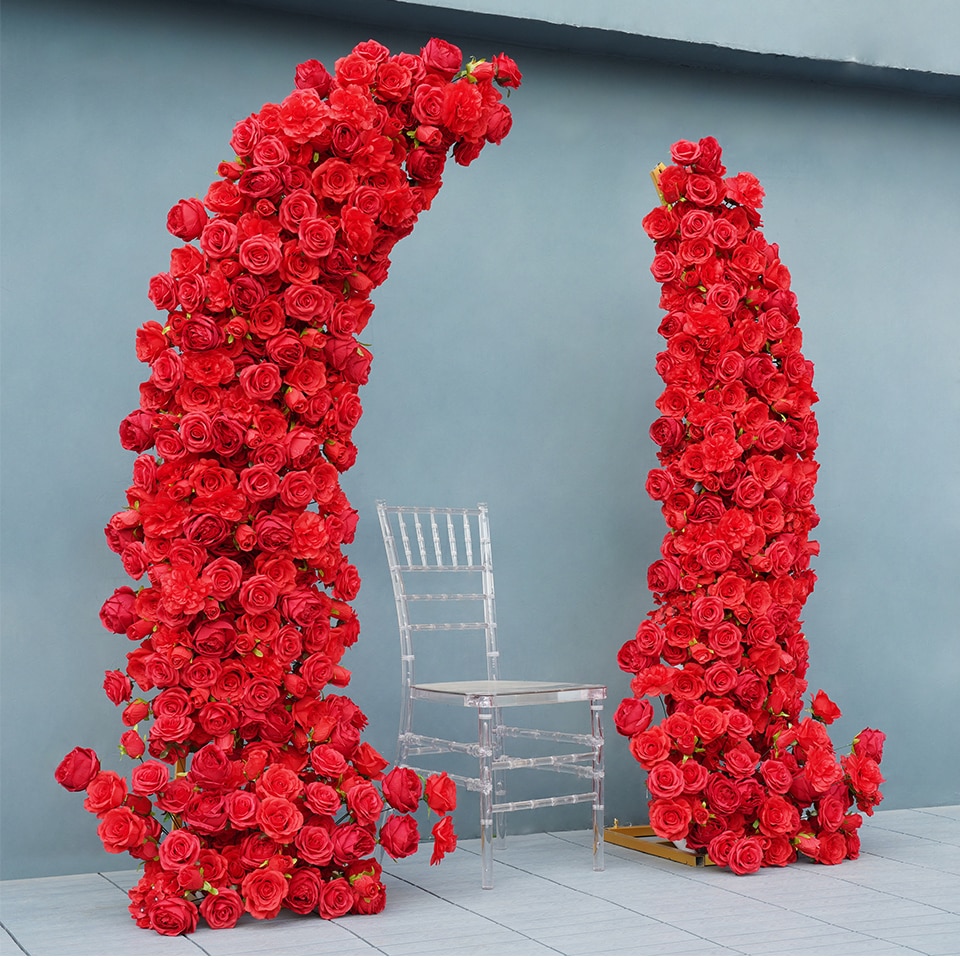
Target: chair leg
x=597 y=731
x=499 y=784
x=486 y=800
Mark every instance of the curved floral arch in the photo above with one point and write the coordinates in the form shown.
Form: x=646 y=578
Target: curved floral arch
x=254 y=790
x=734 y=767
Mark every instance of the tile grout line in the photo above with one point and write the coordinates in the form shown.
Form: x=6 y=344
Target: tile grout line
x=472 y=912
x=189 y=938
x=19 y=945
x=602 y=899
x=852 y=932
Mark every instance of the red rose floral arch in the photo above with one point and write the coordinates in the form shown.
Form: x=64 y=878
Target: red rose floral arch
x=735 y=767
x=254 y=790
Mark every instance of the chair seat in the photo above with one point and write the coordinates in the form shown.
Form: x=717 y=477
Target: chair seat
x=504 y=694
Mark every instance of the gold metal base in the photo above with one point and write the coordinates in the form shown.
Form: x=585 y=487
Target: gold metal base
x=642 y=838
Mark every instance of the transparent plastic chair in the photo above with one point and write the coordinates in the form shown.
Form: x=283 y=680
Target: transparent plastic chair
x=441 y=565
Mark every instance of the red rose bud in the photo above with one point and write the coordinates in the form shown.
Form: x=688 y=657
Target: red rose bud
x=132 y=744
x=633 y=716
x=119 y=610
x=869 y=744
x=441 y=793
x=444 y=839
x=187 y=218
x=824 y=708
x=368 y=761
x=311 y=73
x=78 y=768
x=508 y=74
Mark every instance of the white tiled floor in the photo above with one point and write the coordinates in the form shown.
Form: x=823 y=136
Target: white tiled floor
x=901 y=897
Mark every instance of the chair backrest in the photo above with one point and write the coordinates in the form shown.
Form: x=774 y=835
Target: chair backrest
x=440 y=564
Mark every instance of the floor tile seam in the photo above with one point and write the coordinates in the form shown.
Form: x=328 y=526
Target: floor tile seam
x=473 y=912
x=14 y=939
x=189 y=938
x=917 y=835
x=612 y=903
x=912 y=865
x=786 y=908
x=350 y=932
x=928 y=811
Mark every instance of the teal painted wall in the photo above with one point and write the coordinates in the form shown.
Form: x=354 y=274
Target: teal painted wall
x=514 y=346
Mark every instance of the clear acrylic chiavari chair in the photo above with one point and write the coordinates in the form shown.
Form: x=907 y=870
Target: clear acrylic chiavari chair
x=441 y=566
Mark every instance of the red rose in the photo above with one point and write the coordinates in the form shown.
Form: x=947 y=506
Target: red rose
x=132 y=744
x=304 y=893
x=670 y=817
x=119 y=611
x=506 y=71
x=722 y=794
x=173 y=916
x=179 y=848
x=187 y=218
x=444 y=839
x=779 y=817
x=632 y=716
x=260 y=381
x=263 y=892
x=241 y=808
x=121 y=829
x=368 y=761
x=824 y=709
x=777 y=776
x=695 y=776
x=684 y=152
x=441 y=793
x=400 y=836
x=665 y=780
x=105 y=791
x=746 y=856
x=279 y=818
x=403 y=789
x=350 y=358
x=258 y=594
x=364 y=802
x=650 y=747
x=212 y=769
x=328 y=762
x=314 y=844
x=869 y=744
x=312 y=74
x=369 y=895
x=831 y=810
x=78 y=768
x=741 y=760
x=279 y=781
x=223 y=910
x=336 y=899
x=822 y=768
x=317 y=239
x=117 y=687
x=443 y=57
x=323 y=799
x=351 y=842
x=833 y=848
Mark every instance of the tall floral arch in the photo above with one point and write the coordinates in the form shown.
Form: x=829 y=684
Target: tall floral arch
x=254 y=790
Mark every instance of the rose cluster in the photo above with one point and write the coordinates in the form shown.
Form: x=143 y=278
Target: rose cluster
x=254 y=789
x=734 y=767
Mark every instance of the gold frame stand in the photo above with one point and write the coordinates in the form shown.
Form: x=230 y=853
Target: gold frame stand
x=642 y=838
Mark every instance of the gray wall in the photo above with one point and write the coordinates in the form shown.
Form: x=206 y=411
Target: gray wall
x=514 y=344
